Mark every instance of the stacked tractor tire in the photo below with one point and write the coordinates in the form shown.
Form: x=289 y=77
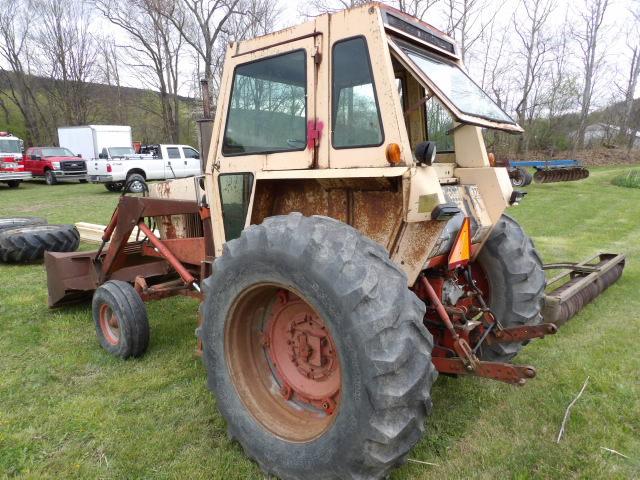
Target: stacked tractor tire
x=25 y=239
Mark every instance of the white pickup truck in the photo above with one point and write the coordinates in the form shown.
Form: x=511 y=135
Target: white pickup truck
x=120 y=166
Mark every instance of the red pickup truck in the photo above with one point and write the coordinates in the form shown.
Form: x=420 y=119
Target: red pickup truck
x=54 y=164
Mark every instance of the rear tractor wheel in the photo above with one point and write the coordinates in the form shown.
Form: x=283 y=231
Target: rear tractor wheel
x=121 y=320
x=316 y=351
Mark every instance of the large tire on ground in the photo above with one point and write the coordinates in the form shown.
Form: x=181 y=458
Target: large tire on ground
x=270 y=290
x=120 y=317
x=114 y=187
x=528 y=178
x=15 y=222
x=27 y=244
x=136 y=183
x=50 y=178
x=513 y=270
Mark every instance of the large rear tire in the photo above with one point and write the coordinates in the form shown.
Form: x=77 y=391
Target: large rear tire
x=516 y=280
x=374 y=353
x=28 y=244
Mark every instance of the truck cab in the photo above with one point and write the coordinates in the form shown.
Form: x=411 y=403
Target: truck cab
x=55 y=164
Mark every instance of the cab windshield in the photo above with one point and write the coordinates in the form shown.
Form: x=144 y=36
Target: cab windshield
x=10 y=146
x=455 y=90
x=56 y=152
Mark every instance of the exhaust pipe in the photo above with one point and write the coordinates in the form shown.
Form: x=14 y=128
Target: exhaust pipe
x=579 y=284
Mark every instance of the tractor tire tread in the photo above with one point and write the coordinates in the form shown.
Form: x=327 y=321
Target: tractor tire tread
x=514 y=267
x=387 y=321
x=28 y=244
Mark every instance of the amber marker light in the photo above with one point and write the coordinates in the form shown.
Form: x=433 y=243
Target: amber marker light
x=393 y=154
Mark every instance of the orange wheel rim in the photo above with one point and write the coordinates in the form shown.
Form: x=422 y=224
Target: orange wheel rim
x=284 y=363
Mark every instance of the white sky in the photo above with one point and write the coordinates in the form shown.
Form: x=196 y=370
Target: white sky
x=617 y=23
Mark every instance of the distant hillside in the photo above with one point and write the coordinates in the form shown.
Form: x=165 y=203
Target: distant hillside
x=139 y=108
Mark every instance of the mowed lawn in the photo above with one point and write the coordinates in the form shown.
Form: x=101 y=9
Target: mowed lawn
x=68 y=409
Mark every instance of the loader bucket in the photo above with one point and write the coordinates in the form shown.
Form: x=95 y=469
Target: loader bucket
x=71 y=277
x=551 y=175
x=579 y=284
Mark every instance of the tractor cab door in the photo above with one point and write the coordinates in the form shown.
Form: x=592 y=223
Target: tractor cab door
x=270 y=108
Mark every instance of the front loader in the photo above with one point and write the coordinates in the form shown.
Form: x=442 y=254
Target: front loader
x=347 y=242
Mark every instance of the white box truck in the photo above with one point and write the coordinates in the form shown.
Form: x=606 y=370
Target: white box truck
x=89 y=140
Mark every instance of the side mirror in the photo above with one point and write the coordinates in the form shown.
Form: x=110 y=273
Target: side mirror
x=79 y=155
x=37 y=157
x=425 y=152
x=102 y=155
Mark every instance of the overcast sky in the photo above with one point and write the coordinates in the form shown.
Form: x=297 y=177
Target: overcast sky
x=613 y=43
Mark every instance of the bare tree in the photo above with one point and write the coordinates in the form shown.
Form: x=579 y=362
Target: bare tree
x=466 y=23
x=109 y=66
x=587 y=37
x=154 y=50
x=534 y=49
x=16 y=50
x=416 y=8
x=200 y=23
x=68 y=55
x=633 y=43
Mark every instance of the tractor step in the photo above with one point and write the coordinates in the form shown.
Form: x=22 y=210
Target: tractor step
x=578 y=284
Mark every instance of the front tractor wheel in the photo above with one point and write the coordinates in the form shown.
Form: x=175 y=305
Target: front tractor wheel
x=315 y=349
x=121 y=320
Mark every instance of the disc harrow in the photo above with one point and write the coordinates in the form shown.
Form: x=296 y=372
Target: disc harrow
x=551 y=175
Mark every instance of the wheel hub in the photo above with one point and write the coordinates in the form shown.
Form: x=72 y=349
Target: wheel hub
x=303 y=353
x=109 y=324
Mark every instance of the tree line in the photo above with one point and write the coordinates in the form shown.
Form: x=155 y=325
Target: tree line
x=549 y=63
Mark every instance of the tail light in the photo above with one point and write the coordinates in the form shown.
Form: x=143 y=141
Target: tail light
x=109 y=170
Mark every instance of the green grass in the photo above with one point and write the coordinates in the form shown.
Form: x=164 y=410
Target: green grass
x=630 y=180
x=68 y=409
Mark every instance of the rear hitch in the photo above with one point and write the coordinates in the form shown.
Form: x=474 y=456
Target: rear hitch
x=504 y=372
x=520 y=334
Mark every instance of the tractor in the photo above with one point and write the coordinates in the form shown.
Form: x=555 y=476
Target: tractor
x=347 y=242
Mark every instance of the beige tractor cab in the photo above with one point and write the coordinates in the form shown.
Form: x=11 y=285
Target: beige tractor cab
x=346 y=242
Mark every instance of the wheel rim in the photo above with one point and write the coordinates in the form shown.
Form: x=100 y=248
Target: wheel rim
x=136 y=186
x=109 y=324
x=283 y=362
x=49 y=178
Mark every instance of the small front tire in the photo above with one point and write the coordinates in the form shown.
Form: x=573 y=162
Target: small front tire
x=50 y=178
x=120 y=317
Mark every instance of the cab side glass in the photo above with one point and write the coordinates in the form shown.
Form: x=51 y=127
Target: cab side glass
x=271 y=92
x=356 y=115
x=439 y=126
x=235 y=193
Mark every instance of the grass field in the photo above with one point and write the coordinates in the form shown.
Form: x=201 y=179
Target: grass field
x=68 y=409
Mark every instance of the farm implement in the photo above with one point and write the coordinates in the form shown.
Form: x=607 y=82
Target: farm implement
x=340 y=260
x=546 y=171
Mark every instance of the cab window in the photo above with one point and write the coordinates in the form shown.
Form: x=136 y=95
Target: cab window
x=173 y=152
x=267 y=111
x=356 y=115
x=190 y=153
x=235 y=193
x=439 y=125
